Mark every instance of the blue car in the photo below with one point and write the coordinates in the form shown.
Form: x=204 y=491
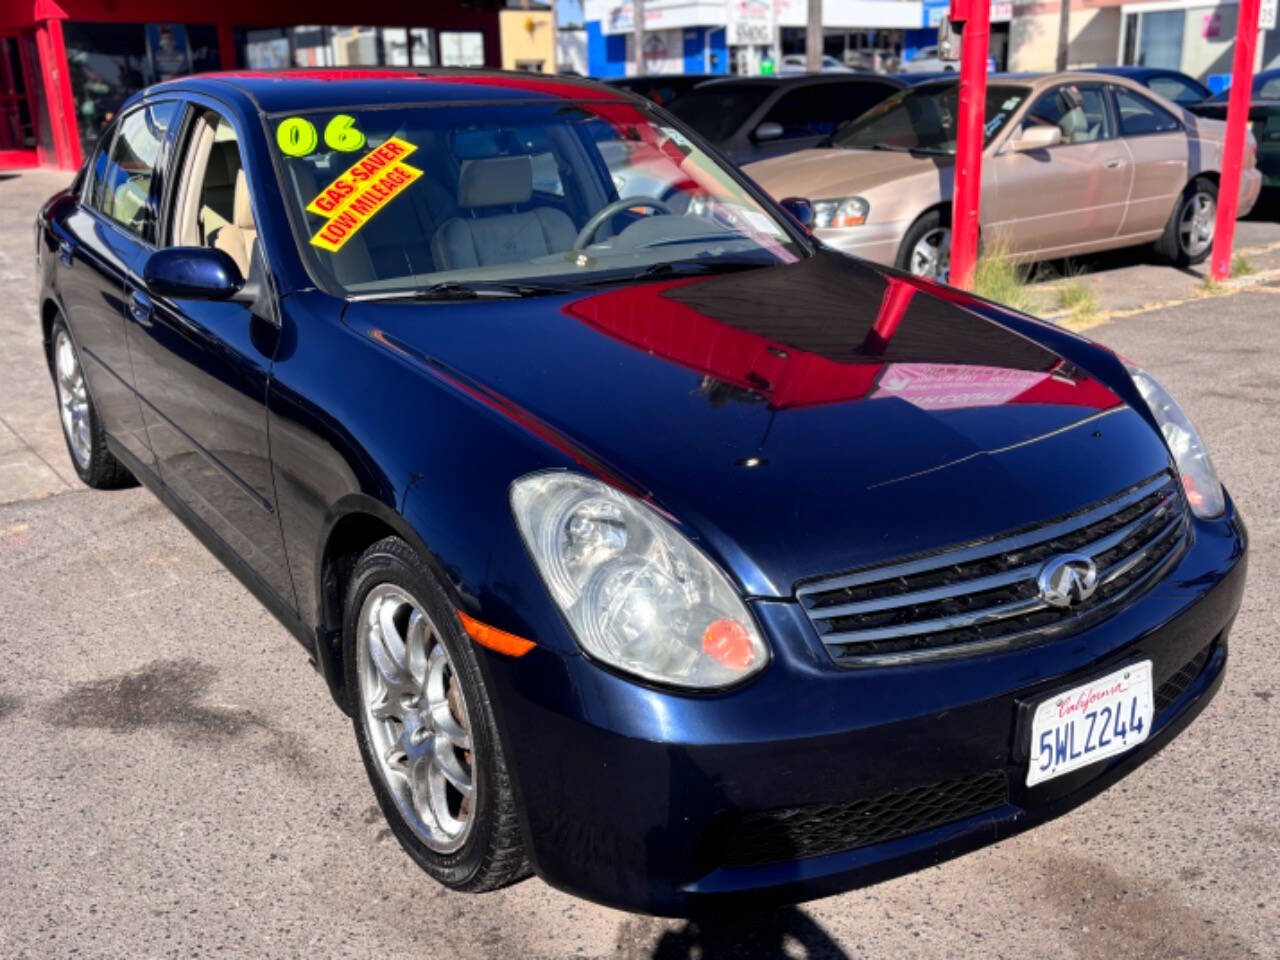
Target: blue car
x=650 y=545
x=1174 y=85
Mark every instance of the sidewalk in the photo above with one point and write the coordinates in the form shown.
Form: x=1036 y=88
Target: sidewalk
x=1127 y=283
x=33 y=457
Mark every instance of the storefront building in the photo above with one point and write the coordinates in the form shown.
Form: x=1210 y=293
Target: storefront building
x=65 y=67
x=742 y=36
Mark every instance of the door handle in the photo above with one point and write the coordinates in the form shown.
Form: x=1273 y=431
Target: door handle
x=141 y=308
x=65 y=253
x=1115 y=163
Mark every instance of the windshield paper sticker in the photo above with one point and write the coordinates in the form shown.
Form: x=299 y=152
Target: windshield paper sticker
x=366 y=187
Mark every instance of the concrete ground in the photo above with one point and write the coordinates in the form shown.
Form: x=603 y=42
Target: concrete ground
x=175 y=783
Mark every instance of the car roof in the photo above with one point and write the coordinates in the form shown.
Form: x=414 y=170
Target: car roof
x=301 y=89
x=1131 y=71
x=1038 y=81
x=801 y=79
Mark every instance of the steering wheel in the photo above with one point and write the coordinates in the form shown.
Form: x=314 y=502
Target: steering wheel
x=589 y=230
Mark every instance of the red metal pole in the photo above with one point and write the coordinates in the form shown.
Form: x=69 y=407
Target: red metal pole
x=1224 y=231
x=969 y=142
x=56 y=79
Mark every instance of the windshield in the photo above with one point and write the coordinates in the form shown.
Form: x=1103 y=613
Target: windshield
x=718 y=110
x=923 y=119
x=397 y=200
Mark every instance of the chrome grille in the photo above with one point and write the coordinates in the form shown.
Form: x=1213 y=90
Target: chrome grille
x=983 y=595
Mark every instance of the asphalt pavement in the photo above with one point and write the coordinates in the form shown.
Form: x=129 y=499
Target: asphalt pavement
x=174 y=781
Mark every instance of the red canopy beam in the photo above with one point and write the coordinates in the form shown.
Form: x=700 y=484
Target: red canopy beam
x=976 y=16
x=1224 y=231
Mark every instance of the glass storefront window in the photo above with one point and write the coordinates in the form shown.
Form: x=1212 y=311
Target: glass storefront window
x=461 y=48
x=395 y=46
x=354 y=46
x=1160 y=39
x=310 y=47
x=108 y=63
x=263 y=49
x=338 y=46
x=420 y=38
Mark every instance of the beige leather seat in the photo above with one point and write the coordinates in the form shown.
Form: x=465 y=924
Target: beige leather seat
x=218 y=196
x=236 y=238
x=486 y=240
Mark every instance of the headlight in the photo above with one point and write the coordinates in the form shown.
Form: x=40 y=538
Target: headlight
x=1204 y=490
x=846 y=212
x=638 y=595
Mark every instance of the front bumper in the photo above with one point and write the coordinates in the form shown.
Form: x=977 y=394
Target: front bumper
x=877 y=242
x=637 y=797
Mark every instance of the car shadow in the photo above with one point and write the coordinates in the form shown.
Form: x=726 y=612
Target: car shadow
x=786 y=932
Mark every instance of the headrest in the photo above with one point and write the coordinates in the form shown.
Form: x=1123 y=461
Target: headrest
x=495 y=182
x=241 y=205
x=224 y=157
x=1073 y=122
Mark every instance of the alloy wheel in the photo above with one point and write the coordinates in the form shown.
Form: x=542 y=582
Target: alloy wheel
x=931 y=256
x=1195 y=232
x=73 y=400
x=415 y=717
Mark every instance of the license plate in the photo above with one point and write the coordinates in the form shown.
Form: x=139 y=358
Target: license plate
x=1094 y=721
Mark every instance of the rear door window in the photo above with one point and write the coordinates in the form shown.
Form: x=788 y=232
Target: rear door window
x=1139 y=116
x=124 y=190
x=717 y=110
x=817 y=110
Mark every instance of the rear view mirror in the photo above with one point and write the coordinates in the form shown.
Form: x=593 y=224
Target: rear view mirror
x=1036 y=138
x=767 y=131
x=195 y=273
x=800 y=208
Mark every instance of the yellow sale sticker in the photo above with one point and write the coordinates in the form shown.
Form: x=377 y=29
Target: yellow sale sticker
x=334 y=198
x=359 y=207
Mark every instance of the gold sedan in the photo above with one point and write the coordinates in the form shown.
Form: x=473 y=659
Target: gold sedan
x=1073 y=163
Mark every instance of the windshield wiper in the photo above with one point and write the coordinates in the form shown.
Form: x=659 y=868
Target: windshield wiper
x=678 y=268
x=457 y=290
x=896 y=148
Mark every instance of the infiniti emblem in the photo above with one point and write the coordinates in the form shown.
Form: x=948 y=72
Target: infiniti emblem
x=1067 y=579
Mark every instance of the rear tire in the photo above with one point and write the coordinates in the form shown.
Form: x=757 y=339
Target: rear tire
x=1188 y=236
x=81 y=428
x=425 y=726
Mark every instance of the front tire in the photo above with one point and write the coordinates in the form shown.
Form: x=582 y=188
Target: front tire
x=1188 y=236
x=425 y=726
x=926 y=249
x=81 y=428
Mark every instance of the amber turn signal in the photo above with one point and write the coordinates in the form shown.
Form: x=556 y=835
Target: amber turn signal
x=495 y=639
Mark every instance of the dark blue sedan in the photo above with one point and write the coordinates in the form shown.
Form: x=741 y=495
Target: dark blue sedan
x=651 y=546
x=1174 y=85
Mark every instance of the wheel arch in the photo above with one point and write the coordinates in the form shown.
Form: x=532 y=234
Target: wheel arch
x=940 y=207
x=50 y=310
x=355 y=523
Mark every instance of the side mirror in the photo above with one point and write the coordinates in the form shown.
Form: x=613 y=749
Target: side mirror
x=800 y=208
x=1036 y=138
x=767 y=131
x=195 y=273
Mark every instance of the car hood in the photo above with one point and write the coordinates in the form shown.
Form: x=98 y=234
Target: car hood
x=796 y=420
x=832 y=172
